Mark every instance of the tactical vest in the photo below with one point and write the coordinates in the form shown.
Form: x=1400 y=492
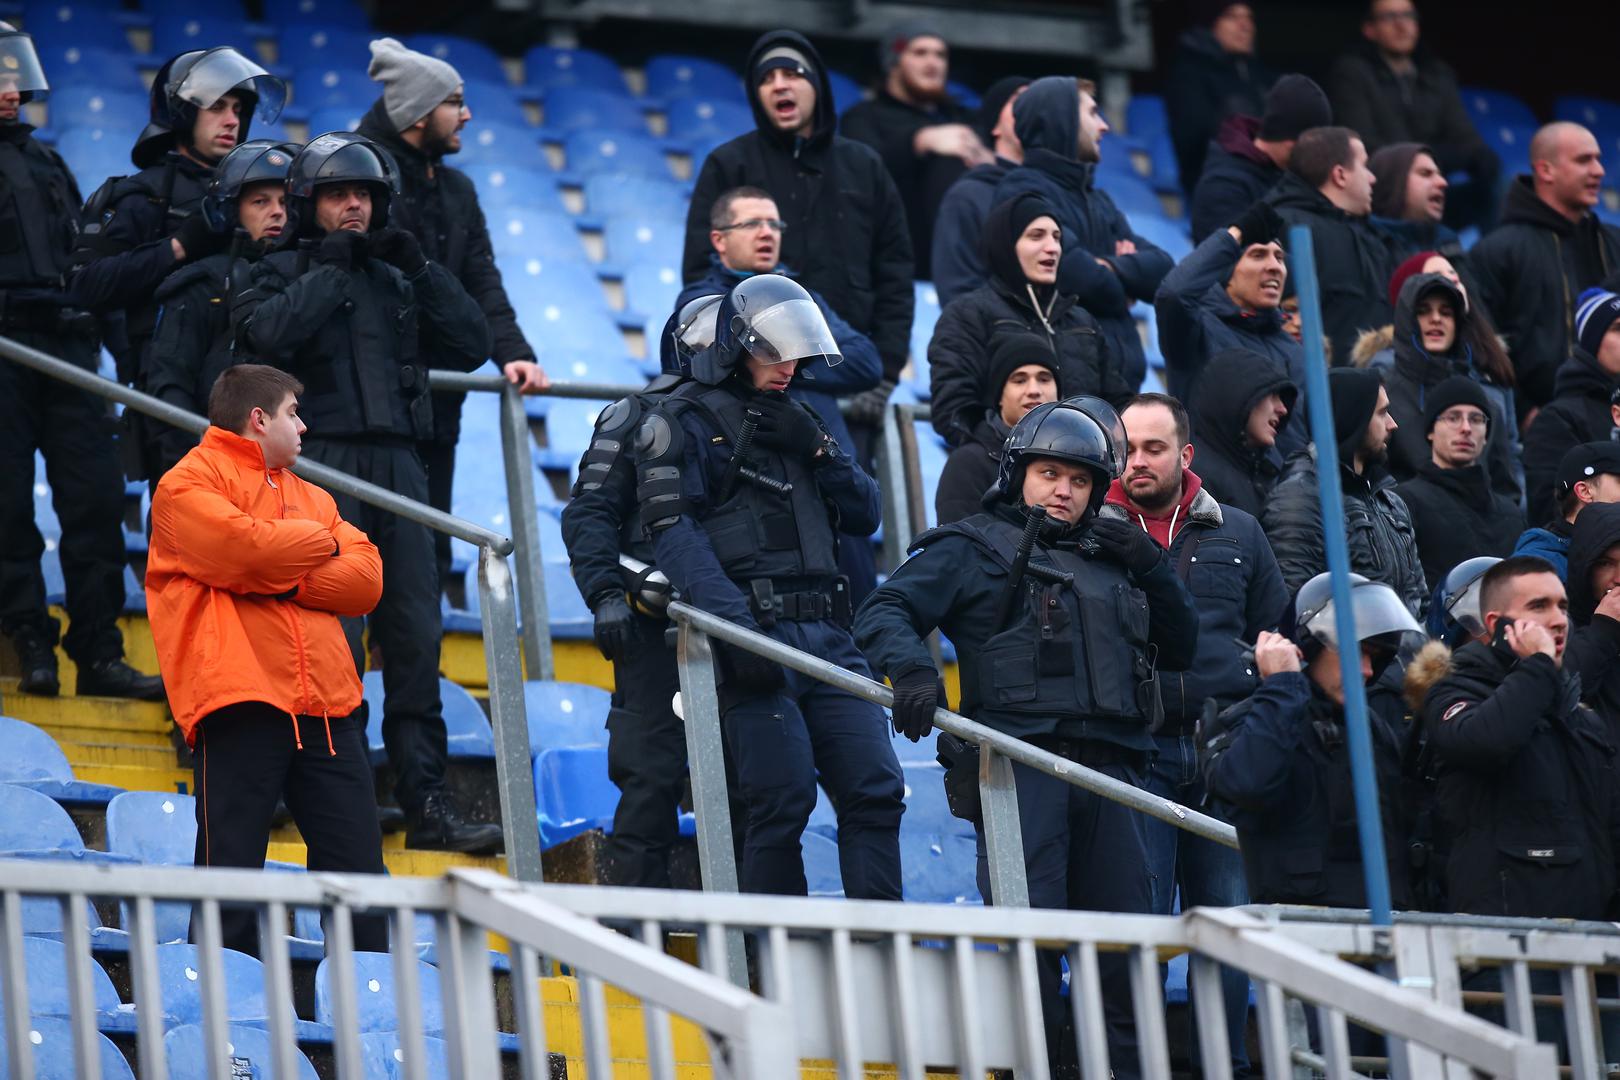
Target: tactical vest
x=1076 y=652
x=39 y=224
x=615 y=436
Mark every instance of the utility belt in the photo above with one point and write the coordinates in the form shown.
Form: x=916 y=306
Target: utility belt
x=1092 y=753
x=960 y=759
x=801 y=600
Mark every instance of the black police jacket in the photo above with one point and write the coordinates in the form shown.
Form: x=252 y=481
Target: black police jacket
x=39 y=215
x=355 y=338
x=1278 y=766
x=1527 y=788
x=1072 y=660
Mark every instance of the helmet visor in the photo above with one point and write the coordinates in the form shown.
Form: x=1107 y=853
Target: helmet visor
x=1376 y=610
x=19 y=66
x=694 y=326
x=1108 y=420
x=224 y=70
x=1464 y=608
x=793 y=330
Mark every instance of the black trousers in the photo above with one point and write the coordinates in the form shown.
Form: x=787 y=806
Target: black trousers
x=406 y=624
x=246 y=757
x=72 y=429
x=646 y=759
x=439 y=458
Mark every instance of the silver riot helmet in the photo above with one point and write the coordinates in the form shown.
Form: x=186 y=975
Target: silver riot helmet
x=1380 y=616
x=20 y=69
x=687 y=331
x=1460 y=594
x=770 y=318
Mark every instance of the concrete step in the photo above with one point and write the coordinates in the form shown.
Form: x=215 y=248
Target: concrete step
x=406 y=862
x=84 y=755
x=137 y=778
x=108 y=736
x=113 y=714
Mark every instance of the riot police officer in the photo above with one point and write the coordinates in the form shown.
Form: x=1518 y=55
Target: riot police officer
x=745 y=494
x=1056 y=615
x=347 y=313
x=191 y=343
x=39 y=205
x=646 y=740
x=138 y=229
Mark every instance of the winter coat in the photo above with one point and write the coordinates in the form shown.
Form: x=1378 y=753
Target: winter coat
x=958 y=258
x=888 y=125
x=1370 y=99
x=1458 y=514
x=442 y=211
x=1549 y=542
x=1410 y=372
x=1527 y=791
x=1578 y=413
x=847 y=234
x=1048 y=124
x=1233 y=472
x=1377 y=524
x=970 y=470
x=1532 y=268
x=1206 y=85
x=1197 y=320
x=1354 y=261
x=1236 y=176
x=1593 y=650
x=248 y=572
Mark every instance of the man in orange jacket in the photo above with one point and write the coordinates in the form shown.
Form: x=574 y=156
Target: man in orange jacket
x=248 y=571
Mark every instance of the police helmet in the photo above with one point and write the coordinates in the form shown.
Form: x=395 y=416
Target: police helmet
x=20 y=69
x=343 y=157
x=1084 y=430
x=1459 y=604
x=195 y=80
x=688 y=330
x=771 y=318
x=1380 y=616
x=257 y=161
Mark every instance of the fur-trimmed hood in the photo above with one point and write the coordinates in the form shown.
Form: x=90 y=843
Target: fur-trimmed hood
x=1431 y=664
x=1372 y=342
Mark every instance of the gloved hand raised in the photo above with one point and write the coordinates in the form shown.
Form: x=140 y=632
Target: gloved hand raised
x=1259 y=224
x=867 y=407
x=916 y=695
x=787 y=426
x=747 y=672
x=198 y=239
x=400 y=247
x=1127 y=544
x=342 y=248
x=614 y=624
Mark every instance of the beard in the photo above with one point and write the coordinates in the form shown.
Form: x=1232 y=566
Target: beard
x=1086 y=151
x=1163 y=493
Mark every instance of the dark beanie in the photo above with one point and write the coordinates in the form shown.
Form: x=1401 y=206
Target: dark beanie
x=1355 y=397
x=1390 y=168
x=1595 y=312
x=1205 y=12
x=895 y=41
x=1294 y=104
x=1011 y=351
x=1452 y=391
x=1003 y=225
x=994 y=100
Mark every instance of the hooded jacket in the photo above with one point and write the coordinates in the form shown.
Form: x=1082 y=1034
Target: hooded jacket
x=1593 y=651
x=958 y=259
x=1532 y=267
x=847 y=234
x=1198 y=320
x=442 y=211
x=248 y=572
x=1578 y=412
x=1410 y=372
x=970 y=470
x=1235 y=473
x=1206 y=85
x=1549 y=542
x=1369 y=98
x=959 y=352
x=1457 y=514
x=1236 y=175
x=1047 y=119
x=1353 y=261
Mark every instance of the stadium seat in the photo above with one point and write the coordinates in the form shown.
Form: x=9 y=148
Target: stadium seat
x=335 y=118
x=700 y=119
x=471 y=59
x=180 y=31
x=30 y=758
x=32 y=825
x=1122 y=155
x=94 y=155
x=1592 y=112
x=1132 y=196
x=590 y=153
x=965 y=95
x=565 y=713
x=490 y=143
x=925 y=313
x=614 y=196
x=374 y=985
x=494 y=101
x=570 y=619
x=569 y=108
x=1493 y=107
x=466 y=727
x=121 y=111
x=156 y=827
x=937 y=850
x=570 y=423
x=548 y=67
x=650 y=289
x=337 y=85
x=556 y=328
x=234 y=9
x=644 y=238
x=319 y=44
x=670 y=77
x=63 y=25
x=1169 y=235
x=384 y=1059
x=821 y=871
x=76 y=65
x=845 y=90
x=572 y=792
x=180 y=982
x=501 y=186
x=612 y=370
x=51 y=1039
x=520 y=231
x=1511 y=143
x=250 y=1051
x=1145 y=117
x=289 y=14
x=46 y=961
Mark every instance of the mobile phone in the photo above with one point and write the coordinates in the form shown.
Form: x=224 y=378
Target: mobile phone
x=1500 y=636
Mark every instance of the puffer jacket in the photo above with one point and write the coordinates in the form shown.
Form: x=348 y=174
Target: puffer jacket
x=1377 y=524
x=1578 y=412
x=1234 y=472
x=248 y=572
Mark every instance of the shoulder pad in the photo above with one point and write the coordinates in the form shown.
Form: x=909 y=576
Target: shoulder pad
x=660 y=450
x=615 y=429
x=619 y=417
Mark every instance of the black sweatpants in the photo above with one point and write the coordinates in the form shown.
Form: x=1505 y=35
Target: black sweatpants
x=246 y=757
x=439 y=458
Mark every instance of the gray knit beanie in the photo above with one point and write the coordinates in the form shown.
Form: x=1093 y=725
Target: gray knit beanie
x=414 y=83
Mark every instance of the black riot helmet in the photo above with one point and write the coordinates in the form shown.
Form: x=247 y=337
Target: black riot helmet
x=196 y=80
x=687 y=331
x=771 y=318
x=1459 y=615
x=1381 y=618
x=257 y=161
x=20 y=69
x=1084 y=430
x=342 y=157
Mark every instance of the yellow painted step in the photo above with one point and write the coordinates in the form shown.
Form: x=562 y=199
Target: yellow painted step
x=108 y=736
x=83 y=754
x=288 y=834
x=406 y=862
x=174 y=779
x=114 y=714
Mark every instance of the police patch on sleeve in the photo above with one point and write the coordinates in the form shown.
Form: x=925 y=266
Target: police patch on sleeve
x=1454 y=710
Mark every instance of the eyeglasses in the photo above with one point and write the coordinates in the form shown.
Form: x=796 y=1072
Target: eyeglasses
x=456 y=103
x=1474 y=417
x=756 y=224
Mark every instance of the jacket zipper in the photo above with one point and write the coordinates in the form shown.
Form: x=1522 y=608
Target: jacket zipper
x=296 y=624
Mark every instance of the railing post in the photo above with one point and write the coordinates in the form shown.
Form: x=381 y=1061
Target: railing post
x=1003 y=836
x=890 y=464
x=509 y=718
x=531 y=570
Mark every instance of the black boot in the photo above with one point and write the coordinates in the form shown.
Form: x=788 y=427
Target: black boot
x=114 y=678
x=37 y=655
x=437 y=825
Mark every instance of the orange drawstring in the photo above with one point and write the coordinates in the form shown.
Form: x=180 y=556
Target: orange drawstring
x=297 y=737
x=330 y=749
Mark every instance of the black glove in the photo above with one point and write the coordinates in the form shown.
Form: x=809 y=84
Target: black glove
x=746 y=672
x=916 y=695
x=787 y=426
x=867 y=408
x=342 y=248
x=400 y=247
x=1127 y=544
x=1260 y=224
x=614 y=623
x=199 y=238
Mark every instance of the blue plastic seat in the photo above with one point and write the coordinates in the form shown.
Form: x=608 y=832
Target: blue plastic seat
x=937 y=850
x=1132 y=196
x=671 y=76
x=82 y=65
x=306 y=45
x=572 y=792
x=93 y=155
x=556 y=329
x=521 y=231
x=88 y=26
x=845 y=90
x=89 y=106
x=466 y=727
x=569 y=108
x=51 y=1039
x=924 y=314
x=698 y=118
x=613 y=196
x=612 y=370
x=1511 y=141
x=487 y=142
x=1489 y=107
x=551 y=68
x=471 y=59
x=569 y=425
x=1591 y=111
x=374 y=985
x=234 y=9
x=565 y=713
x=46 y=962
x=494 y=102
x=1169 y=235
x=650 y=289
x=335 y=118
x=384 y=1059
x=644 y=238
x=589 y=153
x=180 y=975
x=1145 y=116
x=30 y=758
x=32 y=823
x=156 y=827
x=181 y=31
x=188 y=1057
x=501 y=186
x=821 y=871
x=338 y=84
x=964 y=94
x=341 y=15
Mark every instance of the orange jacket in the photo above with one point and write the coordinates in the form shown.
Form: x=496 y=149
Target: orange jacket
x=229 y=539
